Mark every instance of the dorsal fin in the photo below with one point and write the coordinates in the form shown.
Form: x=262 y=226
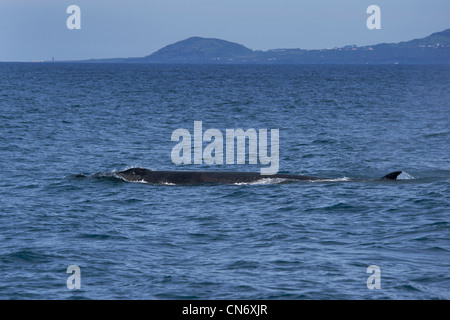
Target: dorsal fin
x=392 y=175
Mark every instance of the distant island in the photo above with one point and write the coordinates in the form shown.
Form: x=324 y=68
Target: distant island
x=434 y=49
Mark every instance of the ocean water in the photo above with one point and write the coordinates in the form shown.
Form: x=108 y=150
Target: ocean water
x=62 y=124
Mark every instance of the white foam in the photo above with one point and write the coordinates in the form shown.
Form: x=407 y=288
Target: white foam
x=332 y=180
x=262 y=181
x=404 y=176
x=167 y=184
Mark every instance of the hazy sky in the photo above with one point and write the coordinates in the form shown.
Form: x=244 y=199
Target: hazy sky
x=36 y=29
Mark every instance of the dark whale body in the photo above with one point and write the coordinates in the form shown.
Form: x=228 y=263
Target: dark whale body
x=199 y=177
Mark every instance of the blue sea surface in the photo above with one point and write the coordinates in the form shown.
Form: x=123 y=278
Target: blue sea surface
x=63 y=124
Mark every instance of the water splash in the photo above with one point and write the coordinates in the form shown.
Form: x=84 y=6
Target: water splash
x=264 y=181
x=404 y=176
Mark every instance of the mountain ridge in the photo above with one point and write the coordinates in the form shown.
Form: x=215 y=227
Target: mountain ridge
x=433 y=49
x=199 y=49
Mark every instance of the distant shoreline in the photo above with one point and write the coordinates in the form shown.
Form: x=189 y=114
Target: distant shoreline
x=431 y=50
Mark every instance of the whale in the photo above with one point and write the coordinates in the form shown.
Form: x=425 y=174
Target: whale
x=219 y=177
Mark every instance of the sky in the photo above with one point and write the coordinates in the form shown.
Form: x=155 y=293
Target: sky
x=37 y=30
